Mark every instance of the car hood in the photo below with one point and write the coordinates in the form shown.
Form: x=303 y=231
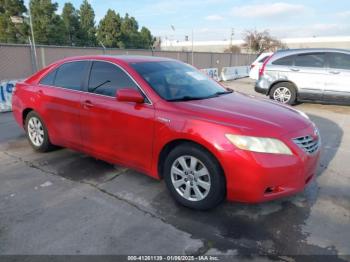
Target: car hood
x=253 y=116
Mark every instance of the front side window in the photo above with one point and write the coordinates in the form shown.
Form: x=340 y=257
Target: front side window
x=175 y=81
x=70 y=75
x=310 y=60
x=339 y=61
x=106 y=79
x=49 y=78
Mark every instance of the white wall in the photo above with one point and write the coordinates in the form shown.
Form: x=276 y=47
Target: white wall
x=220 y=46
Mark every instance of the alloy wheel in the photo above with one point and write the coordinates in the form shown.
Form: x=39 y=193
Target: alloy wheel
x=191 y=178
x=282 y=94
x=35 y=131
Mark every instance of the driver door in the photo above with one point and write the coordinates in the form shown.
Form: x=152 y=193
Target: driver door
x=120 y=132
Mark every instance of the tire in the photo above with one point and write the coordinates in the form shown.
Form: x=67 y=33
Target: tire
x=192 y=183
x=37 y=133
x=284 y=93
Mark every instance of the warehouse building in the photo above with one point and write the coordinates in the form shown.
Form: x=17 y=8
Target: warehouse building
x=342 y=42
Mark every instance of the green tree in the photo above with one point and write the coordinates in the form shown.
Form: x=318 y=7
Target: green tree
x=47 y=25
x=130 y=36
x=13 y=28
x=71 y=23
x=108 y=31
x=87 y=24
x=147 y=40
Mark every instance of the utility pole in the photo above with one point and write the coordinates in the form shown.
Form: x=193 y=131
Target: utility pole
x=192 y=55
x=172 y=36
x=33 y=39
x=232 y=34
x=104 y=48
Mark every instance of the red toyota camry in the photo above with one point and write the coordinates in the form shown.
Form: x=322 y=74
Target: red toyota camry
x=166 y=119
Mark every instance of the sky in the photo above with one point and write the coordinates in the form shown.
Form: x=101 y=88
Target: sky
x=215 y=19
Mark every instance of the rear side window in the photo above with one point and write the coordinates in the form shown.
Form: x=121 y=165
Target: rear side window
x=310 y=60
x=70 y=75
x=106 y=79
x=339 y=61
x=285 y=61
x=49 y=78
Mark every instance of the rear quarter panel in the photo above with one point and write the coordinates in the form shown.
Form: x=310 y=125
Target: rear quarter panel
x=23 y=98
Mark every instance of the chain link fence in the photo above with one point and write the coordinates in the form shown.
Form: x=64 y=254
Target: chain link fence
x=17 y=61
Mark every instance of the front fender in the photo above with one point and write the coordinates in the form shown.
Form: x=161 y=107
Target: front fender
x=207 y=134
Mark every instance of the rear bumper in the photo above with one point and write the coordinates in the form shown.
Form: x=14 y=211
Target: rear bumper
x=261 y=86
x=260 y=90
x=17 y=110
x=258 y=177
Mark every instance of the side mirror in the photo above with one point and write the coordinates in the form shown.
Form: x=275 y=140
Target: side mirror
x=129 y=95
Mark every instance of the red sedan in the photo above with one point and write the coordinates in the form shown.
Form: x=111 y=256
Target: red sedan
x=168 y=120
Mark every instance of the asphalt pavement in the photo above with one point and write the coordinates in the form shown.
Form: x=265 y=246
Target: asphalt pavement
x=65 y=202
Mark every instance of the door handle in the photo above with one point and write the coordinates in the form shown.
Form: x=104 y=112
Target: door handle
x=39 y=92
x=88 y=104
x=295 y=69
x=334 y=72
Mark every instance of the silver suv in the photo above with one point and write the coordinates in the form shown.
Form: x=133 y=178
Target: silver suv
x=306 y=74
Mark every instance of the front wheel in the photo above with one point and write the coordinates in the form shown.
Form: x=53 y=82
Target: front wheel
x=194 y=177
x=284 y=93
x=37 y=133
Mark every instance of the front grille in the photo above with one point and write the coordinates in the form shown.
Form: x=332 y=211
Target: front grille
x=307 y=143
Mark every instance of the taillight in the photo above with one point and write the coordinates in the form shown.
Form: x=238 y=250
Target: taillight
x=262 y=69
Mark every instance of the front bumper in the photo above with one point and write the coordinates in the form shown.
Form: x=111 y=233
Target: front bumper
x=257 y=177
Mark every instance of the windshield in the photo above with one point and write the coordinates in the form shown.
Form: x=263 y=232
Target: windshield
x=175 y=81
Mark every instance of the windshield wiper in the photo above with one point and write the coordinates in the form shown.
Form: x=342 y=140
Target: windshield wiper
x=219 y=94
x=187 y=98
x=224 y=92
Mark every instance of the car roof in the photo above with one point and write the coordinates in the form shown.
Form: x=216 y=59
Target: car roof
x=306 y=50
x=287 y=52
x=119 y=58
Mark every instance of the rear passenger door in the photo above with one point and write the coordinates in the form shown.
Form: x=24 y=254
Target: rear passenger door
x=338 y=78
x=309 y=74
x=59 y=95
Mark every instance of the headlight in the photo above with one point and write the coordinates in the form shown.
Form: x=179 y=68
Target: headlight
x=259 y=144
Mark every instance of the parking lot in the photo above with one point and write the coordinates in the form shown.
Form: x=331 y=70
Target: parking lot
x=64 y=202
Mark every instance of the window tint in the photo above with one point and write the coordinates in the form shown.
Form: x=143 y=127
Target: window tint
x=310 y=60
x=70 y=75
x=339 y=60
x=49 y=78
x=286 y=61
x=106 y=78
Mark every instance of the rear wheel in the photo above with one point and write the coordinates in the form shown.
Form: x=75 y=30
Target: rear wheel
x=194 y=177
x=284 y=93
x=37 y=133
